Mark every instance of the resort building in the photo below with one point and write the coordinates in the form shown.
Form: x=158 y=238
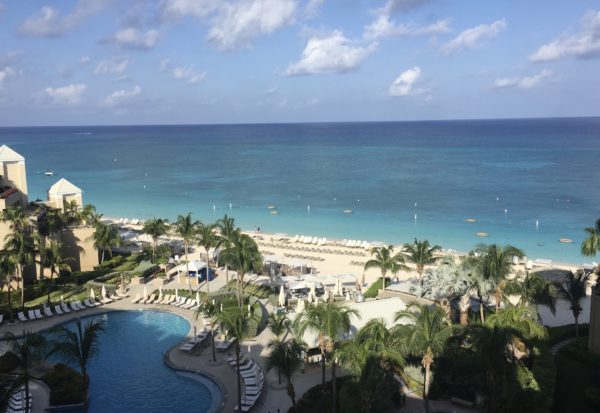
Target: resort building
x=63 y=193
x=13 y=179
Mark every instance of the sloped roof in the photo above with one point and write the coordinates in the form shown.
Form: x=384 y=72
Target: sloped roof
x=63 y=187
x=8 y=155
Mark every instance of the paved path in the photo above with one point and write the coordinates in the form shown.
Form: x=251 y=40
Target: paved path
x=555 y=348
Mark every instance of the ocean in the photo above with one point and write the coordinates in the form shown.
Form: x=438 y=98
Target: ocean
x=527 y=182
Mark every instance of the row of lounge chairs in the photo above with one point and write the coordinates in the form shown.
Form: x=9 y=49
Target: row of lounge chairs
x=191 y=344
x=187 y=303
x=304 y=257
x=253 y=379
x=313 y=249
x=17 y=402
x=64 y=308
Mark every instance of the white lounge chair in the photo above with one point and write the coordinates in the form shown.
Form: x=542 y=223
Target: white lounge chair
x=38 y=313
x=58 y=310
x=31 y=315
x=106 y=300
x=80 y=305
x=48 y=312
x=137 y=299
x=74 y=307
x=150 y=299
x=22 y=316
x=65 y=307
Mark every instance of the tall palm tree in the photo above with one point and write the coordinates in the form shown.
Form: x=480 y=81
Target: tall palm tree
x=421 y=253
x=72 y=213
x=8 y=268
x=228 y=232
x=285 y=358
x=243 y=256
x=208 y=238
x=55 y=261
x=591 y=245
x=185 y=228
x=382 y=342
x=328 y=320
x=533 y=289
x=88 y=214
x=211 y=311
x=30 y=350
x=495 y=264
x=155 y=228
x=234 y=322
x=572 y=290
x=105 y=238
x=279 y=324
x=79 y=347
x=385 y=259
x=21 y=245
x=521 y=318
x=425 y=337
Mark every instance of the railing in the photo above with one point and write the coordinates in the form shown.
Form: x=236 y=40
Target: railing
x=8 y=193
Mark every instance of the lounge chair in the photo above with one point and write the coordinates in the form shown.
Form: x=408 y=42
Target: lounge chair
x=22 y=316
x=88 y=303
x=179 y=301
x=245 y=407
x=65 y=307
x=80 y=305
x=74 y=307
x=48 y=312
x=189 y=304
x=31 y=315
x=1 y=318
x=137 y=299
x=123 y=295
x=38 y=313
x=164 y=300
x=106 y=299
x=150 y=299
x=114 y=296
x=254 y=380
x=250 y=373
x=58 y=310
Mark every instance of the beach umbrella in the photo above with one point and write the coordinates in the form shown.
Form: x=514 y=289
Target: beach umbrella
x=104 y=292
x=300 y=306
x=309 y=297
x=313 y=290
x=62 y=299
x=316 y=300
x=347 y=296
x=92 y=295
x=281 y=300
x=197 y=298
x=145 y=293
x=177 y=294
x=160 y=297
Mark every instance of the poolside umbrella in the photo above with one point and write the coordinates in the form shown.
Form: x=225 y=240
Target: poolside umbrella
x=197 y=298
x=177 y=294
x=309 y=297
x=104 y=295
x=92 y=295
x=313 y=290
x=316 y=300
x=347 y=296
x=281 y=300
x=160 y=297
x=145 y=293
x=61 y=299
x=300 y=306
x=338 y=286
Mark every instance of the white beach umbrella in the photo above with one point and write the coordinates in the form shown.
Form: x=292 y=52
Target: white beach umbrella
x=309 y=298
x=316 y=300
x=300 y=306
x=338 y=286
x=62 y=299
x=92 y=295
x=177 y=294
x=145 y=293
x=197 y=298
x=104 y=292
x=313 y=290
x=281 y=300
x=347 y=296
x=160 y=296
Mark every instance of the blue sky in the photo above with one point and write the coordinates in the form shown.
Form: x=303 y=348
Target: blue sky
x=72 y=62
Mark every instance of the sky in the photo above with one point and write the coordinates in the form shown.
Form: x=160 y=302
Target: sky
x=98 y=62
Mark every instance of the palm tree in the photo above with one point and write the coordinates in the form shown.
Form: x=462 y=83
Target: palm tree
x=79 y=347
x=228 y=233
x=30 y=349
x=243 y=256
x=20 y=244
x=279 y=324
x=533 y=289
x=72 y=213
x=234 y=321
x=186 y=229
x=421 y=253
x=155 y=228
x=8 y=267
x=328 y=320
x=286 y=359
x=385 y=260
x=88 y=214
x=495 y=264
x=572 y=290
x=425 y=337
x=521 y=318
x=105 y=238
x=211 y=311
x=381 y=342
x=208 y=239
x=591 y=245
x=55 y=261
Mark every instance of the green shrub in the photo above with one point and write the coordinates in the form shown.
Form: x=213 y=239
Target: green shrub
x=8 y=362
x=578 y=351
x=544 y=373
x=592 y=397
x=561 y=333
x=375 y=287
x=64 y=384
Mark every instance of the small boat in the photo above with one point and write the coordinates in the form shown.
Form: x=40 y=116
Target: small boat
x=566 y=240
x=347 y=211
x=49 y=173
x=274 y=212
x=471 y=220
x=482 y=234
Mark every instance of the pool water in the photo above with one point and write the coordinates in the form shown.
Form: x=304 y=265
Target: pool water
x=129 y=375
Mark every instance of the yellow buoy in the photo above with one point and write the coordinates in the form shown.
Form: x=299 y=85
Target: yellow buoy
x=470 y=220
x=482 y=234
x=566 y=240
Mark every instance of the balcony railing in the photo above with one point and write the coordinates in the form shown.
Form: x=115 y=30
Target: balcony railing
x=6 y=194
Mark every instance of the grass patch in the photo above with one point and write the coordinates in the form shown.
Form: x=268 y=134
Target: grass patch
x=373 y=290
x=561 y=333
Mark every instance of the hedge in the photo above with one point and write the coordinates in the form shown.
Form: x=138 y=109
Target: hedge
x=544 y=373
x=8 y=362
x=65 y=385
x=375 y=287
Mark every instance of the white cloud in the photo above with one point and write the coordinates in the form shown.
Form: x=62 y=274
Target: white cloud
x=404 y=85
x=403 y=5
x=383 y=26
x=584 y=44
x=115 y=66
x=186 y=73
x=49 y=23
x=238 y=23
x=84 y=60
x=330 y=54
x=5 y=73
x=473 y=37
x=121 y=96
x=196 y=8
x=136 y=39
x=525 y=82
x=70 y=95
x=312 y=7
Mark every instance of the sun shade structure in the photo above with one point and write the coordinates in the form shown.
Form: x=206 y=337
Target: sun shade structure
x=64 y=192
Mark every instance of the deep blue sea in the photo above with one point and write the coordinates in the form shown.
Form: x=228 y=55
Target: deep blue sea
x=401 y=179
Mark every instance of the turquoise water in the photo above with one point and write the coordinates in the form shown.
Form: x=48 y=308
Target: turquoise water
x=129 y=375
x=442 y=172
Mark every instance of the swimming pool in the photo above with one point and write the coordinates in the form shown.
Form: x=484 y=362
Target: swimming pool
x=129 y=375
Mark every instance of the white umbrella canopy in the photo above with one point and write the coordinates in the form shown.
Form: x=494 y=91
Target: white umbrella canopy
x=281 y=300
x=309 y=298
x=197 y=298
x=338 y=287
x=313 y=289
x=316 y=300
x=145 y=293
x=160 y=296
x=104 y=292
x=347 y=296
x=300 y=306
x=177 y=293
x=92 y=295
